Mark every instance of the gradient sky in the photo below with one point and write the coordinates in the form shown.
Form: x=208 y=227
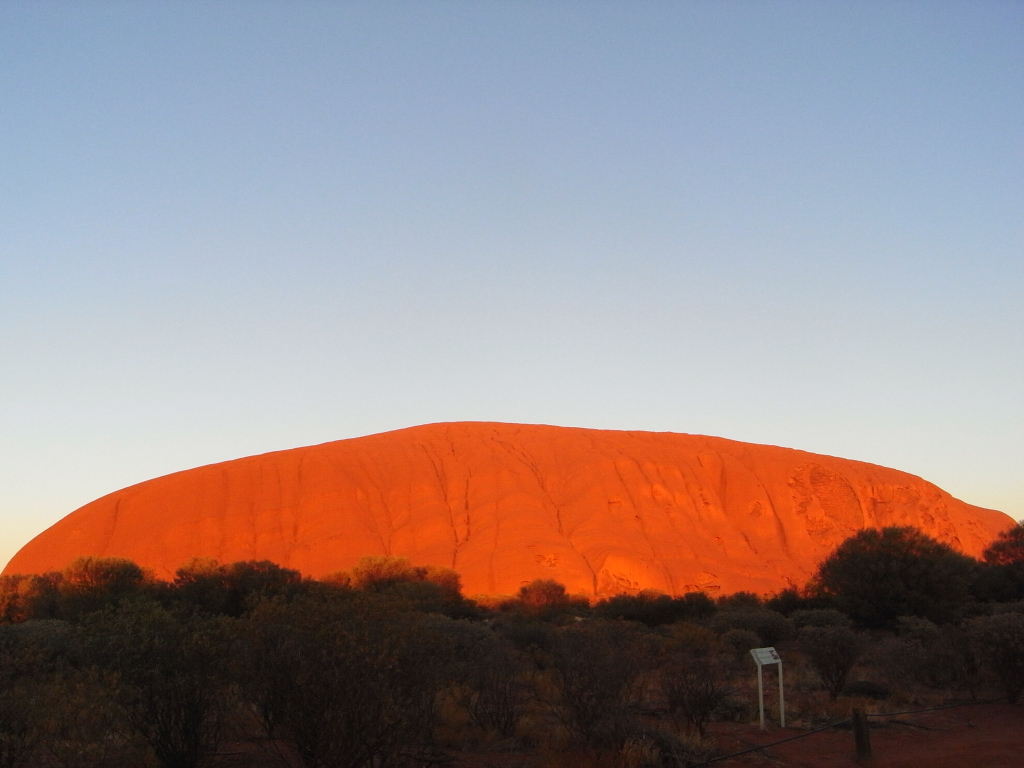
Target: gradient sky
x=228 y=228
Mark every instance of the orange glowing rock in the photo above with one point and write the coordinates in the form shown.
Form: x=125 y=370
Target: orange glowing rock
x=600 y=511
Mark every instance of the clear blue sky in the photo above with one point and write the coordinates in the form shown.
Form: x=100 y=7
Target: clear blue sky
x=228 y=228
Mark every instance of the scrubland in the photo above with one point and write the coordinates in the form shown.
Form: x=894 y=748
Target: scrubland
x=388 y=664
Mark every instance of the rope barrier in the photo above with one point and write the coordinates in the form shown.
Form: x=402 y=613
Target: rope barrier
x=934 y=709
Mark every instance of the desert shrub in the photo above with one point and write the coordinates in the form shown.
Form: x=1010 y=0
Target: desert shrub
x=597 y=670
x=740 y=642
x=231 y=589
x=691 y=639
x=1000 y=643
x=1002 y=574
x=654 y=608
x=91 y=583
x=769 y=626
x=376 y=573
x=1008 y=548
x=738 y=601
x=171 y=682
x=28 y=597
x=832 y=652
x=925 y=654
x=934 y=662
x=654 y=748
x=792 y=599
x=343 y=682
x=820 y=617
x=546 y=600
x=429 y=589
x=1016 y=606
x=494 y=681
x=25 y=696
x=529 y=636
x=877 y=575
x=85 y=727
x=694 y=688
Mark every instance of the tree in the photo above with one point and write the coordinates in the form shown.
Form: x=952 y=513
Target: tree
x=230 y=590
x=1008 y=548
x=91 y=583
x=877 y=575
x=547 y=600
x=428 y=588
x=1002 y=576
x=28 y=597
x=832 y=651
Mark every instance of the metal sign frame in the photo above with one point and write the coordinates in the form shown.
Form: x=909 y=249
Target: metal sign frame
x=766 y=657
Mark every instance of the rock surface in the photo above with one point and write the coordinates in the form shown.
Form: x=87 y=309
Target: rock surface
x=503 y=504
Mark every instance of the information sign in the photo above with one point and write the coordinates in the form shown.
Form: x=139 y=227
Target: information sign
x=764 y=657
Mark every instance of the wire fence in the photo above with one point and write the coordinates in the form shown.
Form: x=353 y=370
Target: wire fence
x=839 y=724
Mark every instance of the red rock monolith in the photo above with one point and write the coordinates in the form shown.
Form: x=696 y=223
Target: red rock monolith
x=600 y=511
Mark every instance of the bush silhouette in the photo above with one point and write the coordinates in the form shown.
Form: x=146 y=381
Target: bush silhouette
x=877 y=575
x=597 y=669
x=832 y=651
x=345 y=682
x=546 y=600
x=1000 y=642
x=229 y=590
x=655 y=608
x=171 y=677
x=1002 y=574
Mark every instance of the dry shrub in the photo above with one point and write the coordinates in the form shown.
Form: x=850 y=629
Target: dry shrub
x=740 y=642
x=661 y=749
x=832 y=651
x=769 y=626
x=924 y=657
x=597 y=671
x=495 y=683
x=694 y=689
x=1000 y=642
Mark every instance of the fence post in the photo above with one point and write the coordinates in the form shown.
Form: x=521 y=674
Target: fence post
x=861 y=735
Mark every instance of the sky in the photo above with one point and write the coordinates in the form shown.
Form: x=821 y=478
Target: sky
x=235 y=227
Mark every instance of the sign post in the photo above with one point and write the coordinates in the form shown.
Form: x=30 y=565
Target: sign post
x=765 y=657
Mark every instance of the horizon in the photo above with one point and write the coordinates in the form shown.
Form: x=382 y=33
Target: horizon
x=232 y=229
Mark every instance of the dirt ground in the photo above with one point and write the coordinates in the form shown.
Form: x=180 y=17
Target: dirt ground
x=980 y=736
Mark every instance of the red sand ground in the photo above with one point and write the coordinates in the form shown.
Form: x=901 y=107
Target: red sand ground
x=503 y=504
x=981 y=736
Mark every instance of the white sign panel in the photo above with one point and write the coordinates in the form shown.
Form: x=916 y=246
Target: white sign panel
x=765 y=656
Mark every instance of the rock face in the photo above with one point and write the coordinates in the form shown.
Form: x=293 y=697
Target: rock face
x=601 y=511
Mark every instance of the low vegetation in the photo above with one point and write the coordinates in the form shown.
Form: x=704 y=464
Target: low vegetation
x=388 y=664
